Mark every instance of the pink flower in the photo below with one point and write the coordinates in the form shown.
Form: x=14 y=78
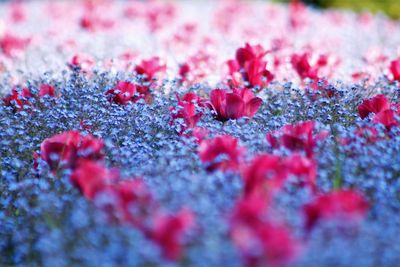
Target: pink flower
x=261 y=241
x=135 y=203
x=123 y=93
x=249 y=66
x=256 y=74
x=47 y=90
x=149 y=68
x=297 y=14
x=221 y=153
x=11 y=44
x=63 y=150
x=297 y=137
x=169 y=230
x=305 y=169
x=187 y=110
x=395 y=69
x=82 y=61
x=302 y=65
x=387 y=118
x=344 y=207
x=18 y=98
x=184 y=71
x=265 y=174
x=234 y=105
x=373 y=105
x=92 y=177
x=249 y=53
x=92 y=22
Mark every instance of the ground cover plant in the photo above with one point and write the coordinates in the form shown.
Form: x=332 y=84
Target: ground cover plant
x=188 y=133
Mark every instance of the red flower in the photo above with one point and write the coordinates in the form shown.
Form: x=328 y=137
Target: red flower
x=134 y=202
x=92 y=177
x=343 y=207
x=184 y=70
x=234 y=105
x=249 y=64
x=303 y=168
x=260 y=241
x=256 y=74
x=187 y=110
x=169 y=230
x=149 y=68
x=123 y=93
x=222 y=152
x=264 y=174
x=296 y=137
x=302 y=64
x=387 y=118
x=18 y=98
x=395 y=69
x=47 y=89
x=82 y=61
x=10 y=44
x=66 y=148
x=373 y=105
x=249 y=53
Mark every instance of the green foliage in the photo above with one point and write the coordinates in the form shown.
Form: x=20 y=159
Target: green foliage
x=389 y=7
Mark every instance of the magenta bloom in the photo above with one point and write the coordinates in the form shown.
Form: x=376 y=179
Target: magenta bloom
x=261 y=241
x=18 y=98
x=123 y=93
x=222 y=152
x=149 y=68
x=297 y=137
x=375 y=105
x=47 y=90
x=187 y=110
x=169 y=230
x=234 y=105
x=395 y=69
x=344 y=207
x=63 y=150
x=92 y=177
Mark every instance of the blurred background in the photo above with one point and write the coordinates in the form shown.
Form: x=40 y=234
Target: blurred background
x=389 y=7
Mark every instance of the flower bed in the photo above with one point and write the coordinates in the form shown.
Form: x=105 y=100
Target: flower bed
x=197 y=134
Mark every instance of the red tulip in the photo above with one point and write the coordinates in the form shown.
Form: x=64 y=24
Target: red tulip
x=221 y=152
x=187 y=110
x=234 y=105
x=123 y=93
x=18 y=98
x=256 y=74
x=169 y=230
x=296 y=137
x=344 y=207
x=66 y=148
x=135 y=203
x=249 y=65
x=387 y=118
x=47 y=90
x=395 y=69
x=373 y=105
x=265 y=173
x=249 y=53
x=92 y=177
x=261 y=241
x=149 y=68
